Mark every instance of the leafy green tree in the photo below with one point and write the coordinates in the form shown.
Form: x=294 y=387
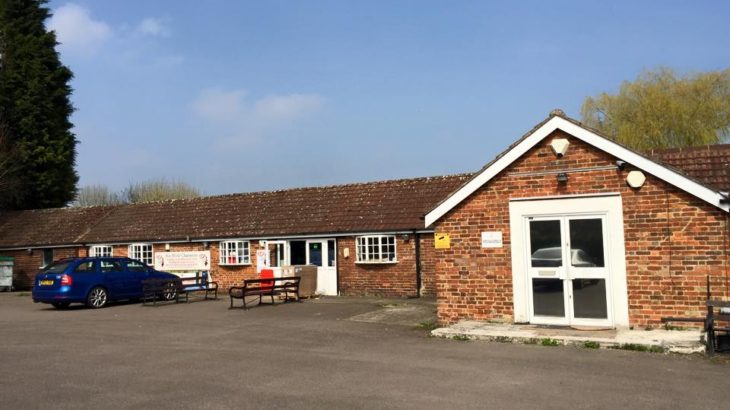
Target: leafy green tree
x=662 y=110
x=34 y=101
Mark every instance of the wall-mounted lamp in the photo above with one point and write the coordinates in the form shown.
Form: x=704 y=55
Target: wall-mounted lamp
x=187 y=238
x=167 y=247
x=205 y=244
x=635 y=179
x=405 y=236
x=620 y=164
x=559 y=146
x=562 y=178
x=30 y=251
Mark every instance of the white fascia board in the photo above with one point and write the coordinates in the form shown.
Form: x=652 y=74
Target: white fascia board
x=489 y=173
x=604 y=144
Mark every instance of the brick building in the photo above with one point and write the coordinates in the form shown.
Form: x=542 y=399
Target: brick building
x=567 y=227
x=366 y=239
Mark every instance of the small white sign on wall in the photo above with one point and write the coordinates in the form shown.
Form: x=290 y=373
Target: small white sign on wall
x=262 y=260
x=492 y=239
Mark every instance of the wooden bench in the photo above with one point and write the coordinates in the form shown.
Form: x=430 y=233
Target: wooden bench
x=169 y=289
x=199 y=283
x=270 y=287
x=154 y=289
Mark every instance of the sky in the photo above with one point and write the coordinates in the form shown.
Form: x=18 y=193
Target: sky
x=240 y=96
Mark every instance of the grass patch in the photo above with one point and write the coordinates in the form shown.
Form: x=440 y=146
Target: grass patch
x=428 y=325
x=461 y=338
x=639 y=348
x=549 y=342
x=590 y=344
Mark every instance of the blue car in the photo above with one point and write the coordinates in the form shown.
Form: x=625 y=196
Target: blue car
x=93 y=281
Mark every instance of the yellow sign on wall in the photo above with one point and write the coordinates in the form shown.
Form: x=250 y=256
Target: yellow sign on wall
x=442 y=241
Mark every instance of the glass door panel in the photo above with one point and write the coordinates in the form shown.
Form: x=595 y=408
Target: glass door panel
x=315 y=253
x=567 y=270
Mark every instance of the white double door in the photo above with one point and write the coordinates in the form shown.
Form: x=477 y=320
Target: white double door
x=568 y=270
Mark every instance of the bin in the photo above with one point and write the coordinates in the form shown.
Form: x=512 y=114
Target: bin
x=308 y=281
x=6 y=273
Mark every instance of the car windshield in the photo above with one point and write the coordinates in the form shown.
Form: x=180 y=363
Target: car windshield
x=56 y=267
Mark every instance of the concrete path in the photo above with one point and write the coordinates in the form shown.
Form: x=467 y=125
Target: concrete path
x=657 y=340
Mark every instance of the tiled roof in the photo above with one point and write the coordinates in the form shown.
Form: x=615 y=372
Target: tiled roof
x=46 y=227
x=709 y=164
x=365 y=207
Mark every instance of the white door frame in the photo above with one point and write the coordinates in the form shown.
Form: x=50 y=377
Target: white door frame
x=326 y=275
x=608 y=205
x=285 y=261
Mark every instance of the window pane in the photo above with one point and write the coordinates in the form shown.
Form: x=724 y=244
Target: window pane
x=85 y=267
x=547 y=297
x=586 y=243
x=315 y=253
x=331 y=252
x=545 y=244
x=589 y=298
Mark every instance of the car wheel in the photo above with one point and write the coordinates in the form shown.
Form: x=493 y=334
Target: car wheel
x=97 y=298
x=60 y=305
x=169 y=292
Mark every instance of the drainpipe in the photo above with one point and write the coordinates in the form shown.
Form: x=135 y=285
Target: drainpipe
x=417 y=238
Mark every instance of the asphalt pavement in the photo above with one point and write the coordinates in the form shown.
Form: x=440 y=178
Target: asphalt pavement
x=316 y=354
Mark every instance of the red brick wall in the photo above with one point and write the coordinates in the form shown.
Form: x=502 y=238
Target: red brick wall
x=673 y=240
x=25 y=265
x=388 y=279
x=226 y=276
x=428 y=265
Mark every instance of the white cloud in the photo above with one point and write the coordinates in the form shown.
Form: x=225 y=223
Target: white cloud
x=244 y=120
x=287 y=107
x=77 y=31
x=215 y=104
x=153 y=27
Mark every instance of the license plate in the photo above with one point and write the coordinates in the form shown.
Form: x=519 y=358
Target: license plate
x=46 y=283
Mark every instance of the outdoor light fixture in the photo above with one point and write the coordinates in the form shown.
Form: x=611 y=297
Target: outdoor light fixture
x=30 y=251
x=559 y=146
x=405 y=236
x=205 y=244
x=620 y=164
x=724 y=197
x=635 y=179
x=562 y=178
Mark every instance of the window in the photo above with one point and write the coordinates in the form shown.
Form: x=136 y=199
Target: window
x=47 y=257
x=103 y=251
x=87 y=266
x=235 y=253
x=141 y=251
x=376 y=249
x=111 y=266
x=135 y=266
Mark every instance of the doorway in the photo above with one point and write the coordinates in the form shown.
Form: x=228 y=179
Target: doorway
x=568 y=262
x=323 y=254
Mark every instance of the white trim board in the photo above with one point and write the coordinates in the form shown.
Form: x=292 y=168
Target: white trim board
x=639 y=161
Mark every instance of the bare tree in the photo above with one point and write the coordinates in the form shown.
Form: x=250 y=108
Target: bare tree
x=96 y=195
x=158 y=190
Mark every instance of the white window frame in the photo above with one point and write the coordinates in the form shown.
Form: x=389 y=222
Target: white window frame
x=238 y=249
x=138 y=251
x=101 y=251
x=373 y=249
